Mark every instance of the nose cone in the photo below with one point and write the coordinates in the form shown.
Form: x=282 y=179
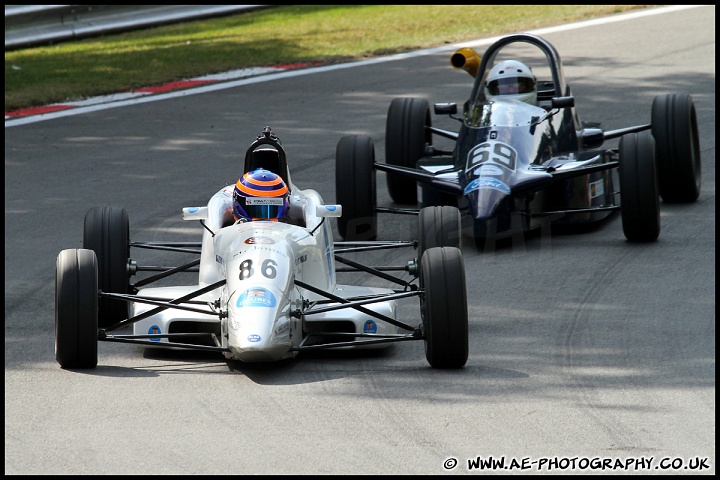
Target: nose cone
x=492 y=208
x=259 y=325
x=499 y=204
x=485 y=195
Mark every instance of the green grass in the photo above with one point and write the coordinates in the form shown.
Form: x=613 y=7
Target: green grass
x=287 y=34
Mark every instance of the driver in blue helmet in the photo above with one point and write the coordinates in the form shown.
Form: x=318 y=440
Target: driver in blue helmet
x=260 y=195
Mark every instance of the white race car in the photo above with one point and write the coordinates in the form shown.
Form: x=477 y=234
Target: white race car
x=265 y=290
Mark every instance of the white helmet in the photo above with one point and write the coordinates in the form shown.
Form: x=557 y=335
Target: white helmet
x=511 y=79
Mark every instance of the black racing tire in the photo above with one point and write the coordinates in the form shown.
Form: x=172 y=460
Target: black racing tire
x=355 y=187
x=444 y=307
x=639 y=198
x=674 y=126
x=438 y=227
x=406 y=140
x=76 y=309
x=107 y=232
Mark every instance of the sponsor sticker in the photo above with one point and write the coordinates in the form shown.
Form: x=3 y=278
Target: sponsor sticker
x=370 y=326
x=259 y=241
x=328 y=251
x=264 y=201
x=487 y=182
x=597 y=189
x=254 y=338
x=256 y=297
x=154 y=330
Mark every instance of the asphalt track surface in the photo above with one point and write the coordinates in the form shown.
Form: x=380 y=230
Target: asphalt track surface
x=582 y=346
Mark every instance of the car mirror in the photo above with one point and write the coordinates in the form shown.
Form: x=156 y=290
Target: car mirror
x=328 y=211
x=592 y=137
x=563 y=102
x=195 y=213
x=445 y=108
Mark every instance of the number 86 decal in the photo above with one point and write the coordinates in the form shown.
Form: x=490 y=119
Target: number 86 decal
x=267 y=269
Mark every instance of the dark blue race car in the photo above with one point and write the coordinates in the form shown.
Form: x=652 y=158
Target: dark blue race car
x=522 y=159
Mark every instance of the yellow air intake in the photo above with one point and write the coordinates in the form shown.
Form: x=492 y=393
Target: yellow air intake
x=466 y=59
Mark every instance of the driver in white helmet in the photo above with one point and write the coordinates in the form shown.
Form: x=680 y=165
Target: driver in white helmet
x=511 y=80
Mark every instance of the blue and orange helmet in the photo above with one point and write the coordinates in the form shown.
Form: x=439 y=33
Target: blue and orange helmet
x=260 y=195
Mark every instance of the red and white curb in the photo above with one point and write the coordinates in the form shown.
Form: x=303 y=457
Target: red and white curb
x=168 y=87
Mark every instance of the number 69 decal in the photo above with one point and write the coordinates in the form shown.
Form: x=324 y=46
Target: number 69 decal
x=267 y=269
x=492 y=152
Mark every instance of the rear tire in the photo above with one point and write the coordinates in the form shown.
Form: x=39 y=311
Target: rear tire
x=76 y=309
x=438 y=227
x=639 y=199
x=674 y=126
x=107 y=233
x=355 y=187
x=406 y=139
x=444 y=308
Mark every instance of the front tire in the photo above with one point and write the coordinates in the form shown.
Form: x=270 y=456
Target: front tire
x=444 y=308
x=406 y=139
x=76 y=309
x=639 y=199
x=355 y=187
x=674 y=126
x=107 y=232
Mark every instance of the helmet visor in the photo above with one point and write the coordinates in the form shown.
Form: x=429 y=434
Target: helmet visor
x=511 y=86
x=259 y=207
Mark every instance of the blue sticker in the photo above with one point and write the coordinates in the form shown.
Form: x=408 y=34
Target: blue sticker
x=256 y=297
x=254 y=338
x=370 y=326
x=154 y=330
x=487 y=182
